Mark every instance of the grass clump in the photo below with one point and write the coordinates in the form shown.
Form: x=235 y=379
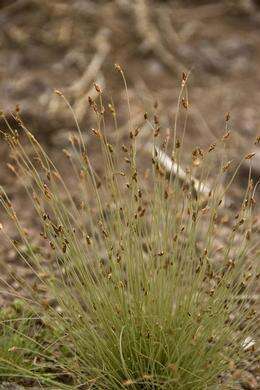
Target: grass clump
x=29 y=348
x=145 y=298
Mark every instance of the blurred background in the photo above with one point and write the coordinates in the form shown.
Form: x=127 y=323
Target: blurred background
x=70 y=44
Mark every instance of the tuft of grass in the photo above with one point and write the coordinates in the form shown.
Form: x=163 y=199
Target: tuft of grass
x=145 y=298
x=29 y=348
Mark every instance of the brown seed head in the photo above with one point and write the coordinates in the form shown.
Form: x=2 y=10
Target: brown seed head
x=212 y=147
x=257 y=140
x=67 y=154
x=57 y=92
x=156 y=132
x=227 y=116
x=12 y=168
x=111 y=109
x=178 y=144
x=156 y=119
x=226 y=135
x=110 y=148
x=64 y=247
x=227 y=165
x=184 y=79
x=249 y=156
x=97 y=88
x=118 y=68
x=185 y=103
x=96 y=132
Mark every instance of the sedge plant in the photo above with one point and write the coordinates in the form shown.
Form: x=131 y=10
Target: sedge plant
x=144 y=298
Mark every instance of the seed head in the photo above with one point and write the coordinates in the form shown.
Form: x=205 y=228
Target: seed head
x=227 y=165
x=64 y=247
x=91 y=101
x=12 y=168
x=142 y=212
x=212 y=147
x=257 y=140
x=97 y=88
x=184 y=79
x=226 y=135
x=156 y=119
x=127 y=160
x=161 y=253
x=118 y=68
x=227 y=117
x=156 y=132
x=178 y=144
x=59 y=93
x=185 y=103
x=111 y=109
x=249 y=156
x=110 y=148
x=67 y=154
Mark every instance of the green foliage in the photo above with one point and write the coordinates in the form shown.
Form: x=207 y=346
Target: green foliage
x=28 y=347
x=145 y=299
